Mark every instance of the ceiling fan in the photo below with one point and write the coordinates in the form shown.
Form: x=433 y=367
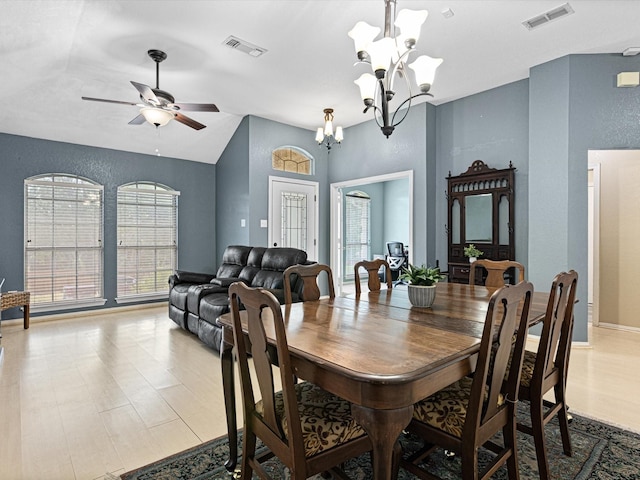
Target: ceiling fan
x=159 y=107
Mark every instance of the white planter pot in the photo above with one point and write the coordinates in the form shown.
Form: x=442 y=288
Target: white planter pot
x=472 y=259
x=421 y=296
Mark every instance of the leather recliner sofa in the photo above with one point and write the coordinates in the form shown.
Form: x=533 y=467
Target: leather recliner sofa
x=196 y=300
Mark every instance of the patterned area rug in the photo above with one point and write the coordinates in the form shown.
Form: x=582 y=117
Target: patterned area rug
x=601 y=452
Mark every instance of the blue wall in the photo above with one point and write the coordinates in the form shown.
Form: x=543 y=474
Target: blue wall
x=491 y=126
x=24 y=157
x=366 y=152
x=575 y=107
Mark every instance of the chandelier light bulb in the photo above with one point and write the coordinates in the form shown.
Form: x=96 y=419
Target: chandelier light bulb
x=381 y=52
x=367 y=84
x=425 y=69
x=363 y=34
x=410 y=22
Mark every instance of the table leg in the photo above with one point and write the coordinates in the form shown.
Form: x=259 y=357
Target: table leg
x=228 y=384
x=384 y=428
x=26 y=316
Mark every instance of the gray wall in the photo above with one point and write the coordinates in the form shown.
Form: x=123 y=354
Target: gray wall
x=24 y=157
x=366 y=152
x=575 y=106
x=491 y=126
x=243 y=171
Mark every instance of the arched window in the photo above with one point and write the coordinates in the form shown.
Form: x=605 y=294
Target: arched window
x=147 y=240
x=357 y=230
x=63 y=254
x=292 y=159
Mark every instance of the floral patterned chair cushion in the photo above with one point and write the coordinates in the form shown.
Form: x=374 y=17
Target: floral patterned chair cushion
x=326 y=418
x=528 y=365
x=446 y=410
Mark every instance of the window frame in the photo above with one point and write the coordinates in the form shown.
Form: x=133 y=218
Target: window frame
x=35 y=241
x=140 y=230
x=350 y=197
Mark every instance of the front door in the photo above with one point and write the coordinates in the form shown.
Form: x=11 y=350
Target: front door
x=293 y=212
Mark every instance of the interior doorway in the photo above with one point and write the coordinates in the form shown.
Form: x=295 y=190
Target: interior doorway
x=391 y=217
x=615 y=175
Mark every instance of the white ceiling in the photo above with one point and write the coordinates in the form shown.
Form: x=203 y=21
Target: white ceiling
x=52 y=52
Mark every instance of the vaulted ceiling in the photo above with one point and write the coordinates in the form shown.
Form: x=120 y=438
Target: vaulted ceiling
x=53 y=52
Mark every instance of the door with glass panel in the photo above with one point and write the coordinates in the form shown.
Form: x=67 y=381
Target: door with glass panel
x=293 y=212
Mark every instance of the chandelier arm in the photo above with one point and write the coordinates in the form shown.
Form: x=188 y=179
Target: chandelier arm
x=407 y=109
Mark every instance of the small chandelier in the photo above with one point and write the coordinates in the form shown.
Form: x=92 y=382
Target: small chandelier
x=387 y=58
x=325 y=135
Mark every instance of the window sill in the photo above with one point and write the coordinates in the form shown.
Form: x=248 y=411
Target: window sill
x=141 y=298
x=56 y=307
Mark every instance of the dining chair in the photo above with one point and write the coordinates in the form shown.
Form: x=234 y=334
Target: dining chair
x=309 y=429
x=372 y=267
x=464 y=416
x=547 y=369
x=495 y=271
x=308 y=275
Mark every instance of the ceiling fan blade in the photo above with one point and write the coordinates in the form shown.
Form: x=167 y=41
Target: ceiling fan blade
x=190 y=122
x=197 y=107
x=139 y=120
x=146 y=93
x=108 y=101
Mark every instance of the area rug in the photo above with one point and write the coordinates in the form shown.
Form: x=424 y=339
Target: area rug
x=600 y=451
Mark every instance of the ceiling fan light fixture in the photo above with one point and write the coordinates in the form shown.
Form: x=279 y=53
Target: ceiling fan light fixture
x=157 y=116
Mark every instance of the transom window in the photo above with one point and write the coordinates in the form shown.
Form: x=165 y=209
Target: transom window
x=292 y=159
x=147 y=239
x=63 y=241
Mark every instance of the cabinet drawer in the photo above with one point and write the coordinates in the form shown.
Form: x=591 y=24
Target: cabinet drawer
x=459 y=273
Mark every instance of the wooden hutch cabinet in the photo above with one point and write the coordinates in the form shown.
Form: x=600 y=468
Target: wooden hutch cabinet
x=480 y=211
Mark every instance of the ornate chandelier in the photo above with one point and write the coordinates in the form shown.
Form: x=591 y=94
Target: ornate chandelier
x=325 y=135
x=387 y=57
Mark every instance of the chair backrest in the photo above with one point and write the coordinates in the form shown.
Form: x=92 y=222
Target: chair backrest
x=372 y=267
x=309 y=276
x=495 y=271
x=263 y=314
x=508 y=312
x=555 y=343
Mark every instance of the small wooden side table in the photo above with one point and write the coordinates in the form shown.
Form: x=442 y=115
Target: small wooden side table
x=16 y=299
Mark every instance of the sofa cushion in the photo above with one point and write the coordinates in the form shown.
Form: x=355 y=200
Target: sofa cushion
x=212 y=306
x=234 y=259
x=274 y=262
x=178 y=295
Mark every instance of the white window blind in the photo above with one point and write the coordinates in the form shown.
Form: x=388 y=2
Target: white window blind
x=357 y=230
x=147 y=239
x=63 y=240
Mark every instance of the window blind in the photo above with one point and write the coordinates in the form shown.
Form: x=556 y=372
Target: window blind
x=357 y=231
x=147 y=239
x=63 y=240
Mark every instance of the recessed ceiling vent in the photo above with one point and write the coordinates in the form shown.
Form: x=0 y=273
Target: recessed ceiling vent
x=556 y=13
x=244 y=46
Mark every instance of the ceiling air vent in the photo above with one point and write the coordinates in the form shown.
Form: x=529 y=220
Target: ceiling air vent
x=549 y=16
x=244 y=46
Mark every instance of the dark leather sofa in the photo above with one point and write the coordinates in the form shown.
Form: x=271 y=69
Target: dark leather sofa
x=196 y=300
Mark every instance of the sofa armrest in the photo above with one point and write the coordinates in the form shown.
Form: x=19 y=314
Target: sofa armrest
x=189 y=277
x=196 y=292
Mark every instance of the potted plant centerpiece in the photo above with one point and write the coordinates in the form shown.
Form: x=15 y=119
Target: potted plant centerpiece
x=472 y=252
x=422 y=284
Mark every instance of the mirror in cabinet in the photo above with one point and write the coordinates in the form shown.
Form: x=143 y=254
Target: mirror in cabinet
x=480 y=206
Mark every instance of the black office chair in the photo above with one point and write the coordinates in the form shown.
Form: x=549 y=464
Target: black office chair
x=397 y=259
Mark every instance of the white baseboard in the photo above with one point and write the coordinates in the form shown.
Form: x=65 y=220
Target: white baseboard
x=84 y=313
x=615 y=326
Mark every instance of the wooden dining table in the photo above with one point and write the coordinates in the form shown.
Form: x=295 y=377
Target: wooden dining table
x=379 y=353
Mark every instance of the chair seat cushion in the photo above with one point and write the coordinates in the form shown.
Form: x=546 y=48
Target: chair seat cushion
x=528 y=365
x=447 y=409
x=326 y=418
